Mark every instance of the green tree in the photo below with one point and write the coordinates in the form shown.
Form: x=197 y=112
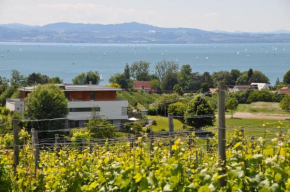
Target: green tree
x=46 y=102
x=285 y=103
x=163 y=67
x=258 y=77
x=127 y=71
x=177 y=109
x=177 y=89
x=86 y=78
x=184 y=77
x=243 y=79
x=55 y=80
x=219 y=76
x=235 y=74
x=156 y=85
x=79 y=79
x=121 y=79
x=198 y=106
x=286 y=78
x=37 y=78
x=169 y=81
x=140 y=71
x=232 y=105
x=100 y=128
x=206 y=78
x=250 y=73
x=17 y=78
x=263 y=95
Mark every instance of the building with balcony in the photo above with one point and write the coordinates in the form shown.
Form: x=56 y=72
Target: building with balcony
x=81 y=100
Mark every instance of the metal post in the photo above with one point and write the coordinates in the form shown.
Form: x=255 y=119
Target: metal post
x=16 y=144
x=171 y=132
x=222 y=131
x=34 y=135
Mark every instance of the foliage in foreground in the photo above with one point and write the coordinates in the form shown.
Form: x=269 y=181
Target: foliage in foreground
x=251 y=166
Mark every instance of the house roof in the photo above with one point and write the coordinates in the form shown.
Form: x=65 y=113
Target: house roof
x=141 y=85
x=243 y=87
x=284 y=90
x=212 y=90
x=70 y=87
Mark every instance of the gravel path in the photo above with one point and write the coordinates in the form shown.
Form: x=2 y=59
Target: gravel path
x=256 y=116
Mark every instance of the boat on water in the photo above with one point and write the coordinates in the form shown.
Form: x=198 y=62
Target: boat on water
x=284 y=49
x=267 y=52
x=238 y=53
x=197 y=57
x=101 y=77
x=246 y=50
x=206 y=58
x=104 y=54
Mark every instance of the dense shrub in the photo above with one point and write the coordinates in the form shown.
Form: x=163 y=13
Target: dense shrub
x=256 y=96
x=177 y=109
x=152 y=111
x=241 y=96
x=6 y=94
x=285 y=103
x=278 y=97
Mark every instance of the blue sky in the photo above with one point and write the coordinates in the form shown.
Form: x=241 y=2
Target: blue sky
x=226 y=15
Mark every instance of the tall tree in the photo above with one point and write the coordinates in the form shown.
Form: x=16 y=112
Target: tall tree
x=184 y=77
x=55 y=80
x=206 y=78
x=224 y=76
x=140 y=71
x=259 y=77
x=235 y=74
x=232 y=105
x=120 y=79
x=250 y=73
x=161 y=68
x=37 y=78
x=17 y=78
x=198 y=106
x=286 y=78
x=127 y=71
x=169 y=80
x=243 y=79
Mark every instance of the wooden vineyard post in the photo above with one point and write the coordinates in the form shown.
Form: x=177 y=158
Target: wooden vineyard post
x=57 y=147
x=171 y=133
x=222 y=132
x=151 y=138
x=34 y=135
x=83 y=144
x=16 y=144
x=207 y=143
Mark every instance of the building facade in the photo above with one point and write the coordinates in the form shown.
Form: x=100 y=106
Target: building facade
x=81 y=100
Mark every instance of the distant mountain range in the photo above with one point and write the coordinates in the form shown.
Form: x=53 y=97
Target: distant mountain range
x=130 y=33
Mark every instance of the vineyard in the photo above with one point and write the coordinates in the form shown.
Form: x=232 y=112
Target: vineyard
x=142 y=98
x=256 y=161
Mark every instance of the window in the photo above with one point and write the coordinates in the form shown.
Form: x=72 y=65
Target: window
x=92 y=95
x=66 y=93
x=124 y=111
x=84 y=109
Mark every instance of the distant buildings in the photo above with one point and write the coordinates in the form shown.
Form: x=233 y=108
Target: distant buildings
x=285 y=90
x=81 y=100
x=143 y=85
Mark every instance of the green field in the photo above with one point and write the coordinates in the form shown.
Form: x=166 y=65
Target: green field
x=266 y=108
x=162 y=123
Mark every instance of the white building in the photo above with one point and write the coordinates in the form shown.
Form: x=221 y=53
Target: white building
x=81 y=100
x=261 y=86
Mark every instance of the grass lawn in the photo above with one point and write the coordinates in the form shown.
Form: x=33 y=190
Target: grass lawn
x=266 y=108
x=162 y=123
x=255 y=127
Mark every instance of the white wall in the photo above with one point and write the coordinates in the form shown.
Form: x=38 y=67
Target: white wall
x=111 y=110
x=15 y=105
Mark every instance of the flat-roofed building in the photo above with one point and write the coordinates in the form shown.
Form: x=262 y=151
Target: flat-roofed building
x=81 y=100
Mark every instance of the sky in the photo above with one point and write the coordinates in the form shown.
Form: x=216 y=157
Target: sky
x=224 y=15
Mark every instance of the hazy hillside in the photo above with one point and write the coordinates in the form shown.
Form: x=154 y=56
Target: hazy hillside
x=128 y=33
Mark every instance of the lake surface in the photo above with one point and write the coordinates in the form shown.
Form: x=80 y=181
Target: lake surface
x=68 y=60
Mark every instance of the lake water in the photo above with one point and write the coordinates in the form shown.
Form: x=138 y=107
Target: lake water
x=68 y=60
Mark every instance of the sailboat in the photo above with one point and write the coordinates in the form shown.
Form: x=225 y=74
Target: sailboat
x=238 y=53
x=101 y=77
x=206 y=57
x=284 y=49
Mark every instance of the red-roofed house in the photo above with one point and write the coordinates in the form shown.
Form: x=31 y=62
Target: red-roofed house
x=284 y=90
x=143 y=85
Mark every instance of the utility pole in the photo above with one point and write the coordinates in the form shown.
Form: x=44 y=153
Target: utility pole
x=222 y=132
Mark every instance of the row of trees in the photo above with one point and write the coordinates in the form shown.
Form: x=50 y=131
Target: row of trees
x=18 y=79
x=167 y=75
